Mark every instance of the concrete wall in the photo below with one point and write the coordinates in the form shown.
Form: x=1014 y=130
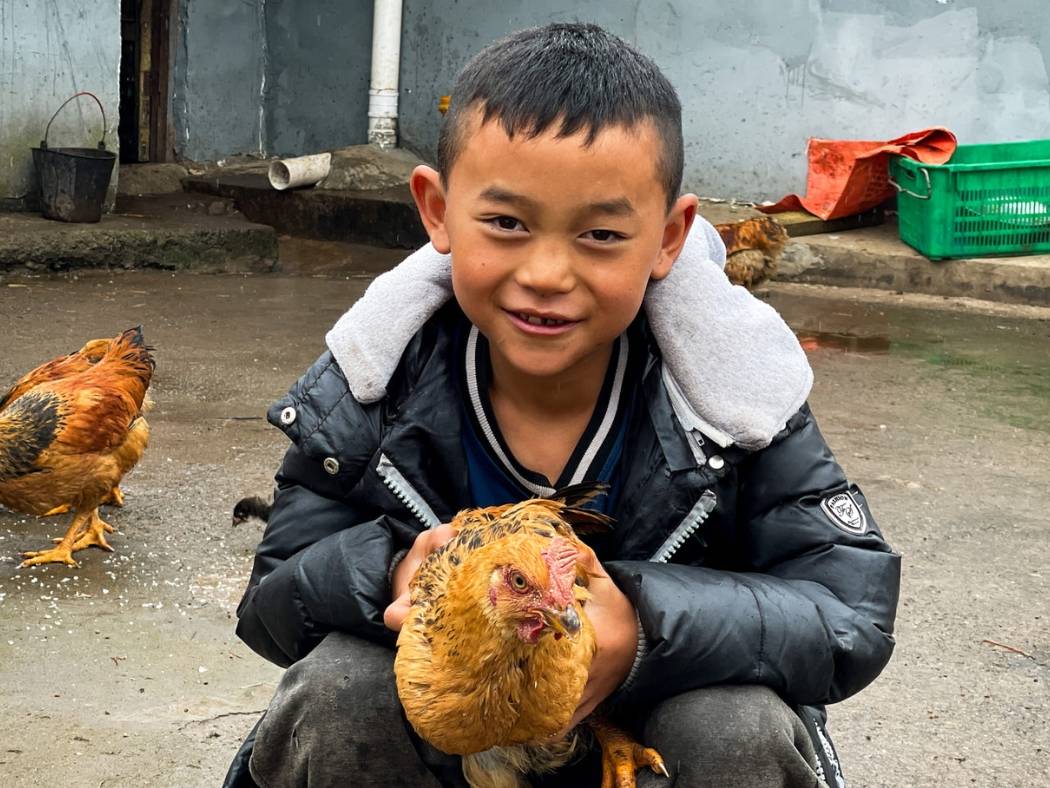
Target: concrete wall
x=49 y=50
x=320 y=56
x=218 y=79
x=758 y=78
x=264 y=76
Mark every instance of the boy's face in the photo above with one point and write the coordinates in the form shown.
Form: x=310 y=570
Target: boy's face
x=552 y=242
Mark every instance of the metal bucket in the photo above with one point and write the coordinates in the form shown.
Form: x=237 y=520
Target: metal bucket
x=74 y=181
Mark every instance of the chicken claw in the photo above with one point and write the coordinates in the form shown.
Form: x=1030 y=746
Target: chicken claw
x=622 y=756
x=109 y=529
x=86 y=530
x=95 y=535
x=115 y=497
x=62 y=554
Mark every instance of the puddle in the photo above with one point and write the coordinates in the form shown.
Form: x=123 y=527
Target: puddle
x=999 y=366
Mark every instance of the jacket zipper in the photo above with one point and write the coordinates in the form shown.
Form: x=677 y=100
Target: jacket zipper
x=405 y=492
x=697 y=516
x=689 y=419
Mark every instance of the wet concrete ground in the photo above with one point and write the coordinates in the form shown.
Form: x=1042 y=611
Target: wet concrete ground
x=126 y=671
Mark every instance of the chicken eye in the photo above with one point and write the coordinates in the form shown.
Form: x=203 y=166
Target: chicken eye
x=518 y=581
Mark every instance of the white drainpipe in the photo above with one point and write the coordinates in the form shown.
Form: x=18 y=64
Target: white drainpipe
x=386 y=61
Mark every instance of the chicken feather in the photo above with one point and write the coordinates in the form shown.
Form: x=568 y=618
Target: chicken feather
x=57 y=368
x=68 y=439
x=495 y=652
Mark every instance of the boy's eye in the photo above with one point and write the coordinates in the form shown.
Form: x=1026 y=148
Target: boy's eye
x=506 y=223
x=603 y=236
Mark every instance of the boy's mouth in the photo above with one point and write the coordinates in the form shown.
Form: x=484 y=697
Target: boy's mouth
x=539 y=323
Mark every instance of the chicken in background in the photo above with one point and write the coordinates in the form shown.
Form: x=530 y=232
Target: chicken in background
x=252 y=506
x=69 y=438
x=57 y=368
x=496 y=648
x=753 y=249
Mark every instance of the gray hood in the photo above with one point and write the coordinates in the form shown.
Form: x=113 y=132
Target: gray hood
x=734 y=370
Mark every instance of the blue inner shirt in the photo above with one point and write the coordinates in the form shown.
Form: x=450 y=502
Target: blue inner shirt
x=495 y=475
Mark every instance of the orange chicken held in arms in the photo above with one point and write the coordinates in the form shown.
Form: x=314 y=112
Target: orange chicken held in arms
x=496 y=648
x=69 y=432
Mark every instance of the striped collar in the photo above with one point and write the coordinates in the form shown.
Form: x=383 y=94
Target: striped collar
x=594 y=447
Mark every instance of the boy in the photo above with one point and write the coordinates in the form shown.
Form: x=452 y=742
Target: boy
x=745 y=583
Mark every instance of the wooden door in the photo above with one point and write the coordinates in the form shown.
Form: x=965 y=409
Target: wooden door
x=145 y=31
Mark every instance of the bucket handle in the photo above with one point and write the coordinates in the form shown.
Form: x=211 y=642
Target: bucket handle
x=101 y=142
x=929 y=186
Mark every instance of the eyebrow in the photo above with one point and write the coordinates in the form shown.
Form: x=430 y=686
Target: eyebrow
x=497 y=194
x=620 y=206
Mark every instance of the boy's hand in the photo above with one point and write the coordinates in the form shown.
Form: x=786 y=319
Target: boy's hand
x=616 y=632
x=426 y=542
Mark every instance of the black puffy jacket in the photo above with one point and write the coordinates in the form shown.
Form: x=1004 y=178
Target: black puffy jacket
x=740 y=564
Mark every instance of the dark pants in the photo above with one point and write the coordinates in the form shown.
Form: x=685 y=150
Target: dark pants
x=335 y=720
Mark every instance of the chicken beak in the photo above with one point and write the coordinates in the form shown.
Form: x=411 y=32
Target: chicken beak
x=564 y=622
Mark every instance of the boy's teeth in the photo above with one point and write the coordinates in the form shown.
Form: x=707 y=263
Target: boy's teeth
x=540 y=321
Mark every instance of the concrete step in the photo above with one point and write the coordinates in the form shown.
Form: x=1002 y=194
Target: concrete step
x=149 y=233
x=875 y=257
x=381 y=216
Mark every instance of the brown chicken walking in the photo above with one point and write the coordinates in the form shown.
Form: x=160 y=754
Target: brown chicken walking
x=55 y=369
x=69 y=432
x=753 y=249
x=496 y=649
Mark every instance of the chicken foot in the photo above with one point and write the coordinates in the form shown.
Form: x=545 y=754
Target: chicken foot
x=114 y=498
x=622 y=756
x=62 y=553
x=95 y=534
x=86 y=530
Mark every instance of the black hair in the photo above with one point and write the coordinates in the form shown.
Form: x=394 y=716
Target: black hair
x=578 y=74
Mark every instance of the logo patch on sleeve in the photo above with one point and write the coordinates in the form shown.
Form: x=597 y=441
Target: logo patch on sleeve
x=845 y=513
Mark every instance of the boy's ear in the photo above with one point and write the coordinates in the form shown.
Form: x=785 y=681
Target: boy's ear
x=676 y=230
x=429 y=194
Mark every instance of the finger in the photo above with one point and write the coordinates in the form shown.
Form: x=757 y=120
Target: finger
x=396 y=612
x=587 y=558
x=430 y=540
x=441 y=535
x=593 y=567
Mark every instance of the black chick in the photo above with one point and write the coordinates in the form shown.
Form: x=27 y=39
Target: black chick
x=250 y=507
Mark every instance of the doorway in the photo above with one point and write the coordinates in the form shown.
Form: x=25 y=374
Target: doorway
x=145 y=66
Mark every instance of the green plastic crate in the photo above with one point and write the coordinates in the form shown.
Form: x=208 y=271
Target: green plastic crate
x=988 y=200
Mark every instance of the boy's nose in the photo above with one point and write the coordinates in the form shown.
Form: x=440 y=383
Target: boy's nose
x=547 y=271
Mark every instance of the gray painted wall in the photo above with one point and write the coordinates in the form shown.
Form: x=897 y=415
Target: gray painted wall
x=217 y=84
x=758 y=78
x=273 y=77
x=49 y=50
x=320 y=57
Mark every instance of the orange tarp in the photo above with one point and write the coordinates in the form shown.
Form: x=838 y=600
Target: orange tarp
x=852 y=176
